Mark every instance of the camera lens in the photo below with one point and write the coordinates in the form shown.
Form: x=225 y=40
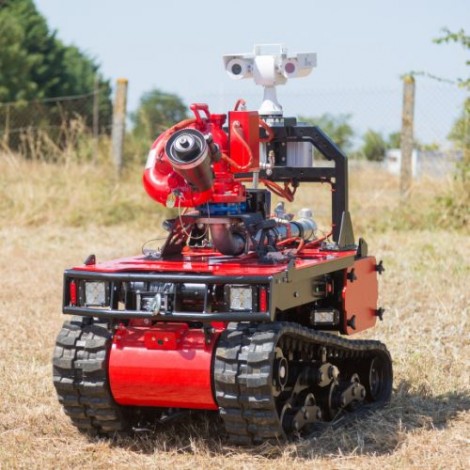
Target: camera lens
x=236 y=69
x=290 y=67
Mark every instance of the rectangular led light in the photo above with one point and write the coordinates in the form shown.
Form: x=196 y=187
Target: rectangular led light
x=241 y=298
x=95 y=294
x=325 y=317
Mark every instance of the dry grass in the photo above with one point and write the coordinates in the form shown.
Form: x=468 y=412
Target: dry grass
x=52 y=217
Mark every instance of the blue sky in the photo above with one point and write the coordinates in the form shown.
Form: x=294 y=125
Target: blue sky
x=362 y=46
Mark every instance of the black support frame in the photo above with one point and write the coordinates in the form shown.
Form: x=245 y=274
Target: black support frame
x=336 y=176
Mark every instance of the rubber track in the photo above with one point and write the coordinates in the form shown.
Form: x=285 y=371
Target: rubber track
x=243 y=372
x=80 y=377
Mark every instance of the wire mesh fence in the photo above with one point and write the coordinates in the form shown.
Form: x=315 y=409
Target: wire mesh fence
x=441 y=127
x=439 y=111
x=45 y=129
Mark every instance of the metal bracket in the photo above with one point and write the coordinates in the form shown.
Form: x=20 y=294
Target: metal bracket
x=91 y=260
x=352 y=275
x=380 y=267
x=380 y=313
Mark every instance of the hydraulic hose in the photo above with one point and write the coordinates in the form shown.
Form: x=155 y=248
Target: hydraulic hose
x=226 y=241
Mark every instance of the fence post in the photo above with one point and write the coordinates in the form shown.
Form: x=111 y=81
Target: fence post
x=96 y=118
x=119 y=123
x=6 y=134
x=406 y=170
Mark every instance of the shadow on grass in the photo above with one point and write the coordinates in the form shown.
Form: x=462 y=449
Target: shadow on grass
x=370 y=431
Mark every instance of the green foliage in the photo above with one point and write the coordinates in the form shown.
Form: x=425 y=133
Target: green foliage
x=15 y=62
x=374 y=146
x=394 y=140
x=35 y=65
x=427 y=147
x=157 y=112
x=40 y=56
x=337 y=128
x=455 y=205
x=460 y=132
x=460 y=38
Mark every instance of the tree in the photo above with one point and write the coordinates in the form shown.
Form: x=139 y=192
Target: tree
x=16 y=63
x=38 y=46
x=460 y=132
x=36 y=65
x=77 y=77
x=157 y=111
x=394 y=140
x=460 y=38
x=337 y=128
x=374 y=146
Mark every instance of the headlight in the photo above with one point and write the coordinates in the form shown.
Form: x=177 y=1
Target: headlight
x=324 y=317
x=95 y=294
x=241 y=297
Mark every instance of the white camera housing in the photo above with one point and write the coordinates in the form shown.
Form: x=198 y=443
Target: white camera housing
x=269 y=65
x=299 y=66
x=238 y=67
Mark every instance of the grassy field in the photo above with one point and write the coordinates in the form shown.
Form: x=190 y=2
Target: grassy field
x=54 y=216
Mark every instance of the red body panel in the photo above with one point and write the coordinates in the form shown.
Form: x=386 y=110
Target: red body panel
x=249 y=122
x=160 y=181
x=169 y=188
x=170 y=365
x=165 y=366
x=201 y=261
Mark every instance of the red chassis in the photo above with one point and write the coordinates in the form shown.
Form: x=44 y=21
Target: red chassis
x=168 y=364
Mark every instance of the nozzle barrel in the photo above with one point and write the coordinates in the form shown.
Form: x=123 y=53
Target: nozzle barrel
x=190 y=156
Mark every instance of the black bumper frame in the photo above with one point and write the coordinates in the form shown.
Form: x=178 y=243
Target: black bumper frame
x=118 y=314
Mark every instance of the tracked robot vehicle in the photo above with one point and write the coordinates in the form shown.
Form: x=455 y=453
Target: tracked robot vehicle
x=243 y=309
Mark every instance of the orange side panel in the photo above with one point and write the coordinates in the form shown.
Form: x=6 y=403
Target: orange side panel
x=360 y=296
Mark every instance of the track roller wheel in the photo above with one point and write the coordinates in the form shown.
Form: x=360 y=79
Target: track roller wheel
x=300 y=416
x=276 y=381
x=377 y=377
x=328 y=398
